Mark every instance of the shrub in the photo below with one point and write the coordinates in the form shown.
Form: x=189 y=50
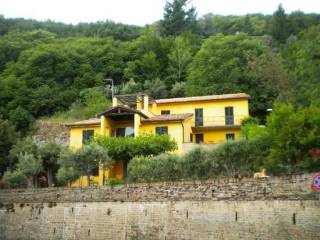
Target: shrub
x=228 y=159
x=196 y=164
x=163 y=167
x=82 y=162
x=293 y=133
x=14 y=179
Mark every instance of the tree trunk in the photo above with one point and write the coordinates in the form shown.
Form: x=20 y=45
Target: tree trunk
x=50 y=178
x=30 y=182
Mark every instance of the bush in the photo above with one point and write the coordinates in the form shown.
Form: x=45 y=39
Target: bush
x=293 y=133
x=164 y=167
x=14 y=179
x=196 y=164
x=241 y=158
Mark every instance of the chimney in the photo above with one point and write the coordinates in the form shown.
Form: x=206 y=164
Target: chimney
x=146 y=103
x=114 y=102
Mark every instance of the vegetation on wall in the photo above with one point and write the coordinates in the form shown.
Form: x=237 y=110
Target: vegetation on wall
x=125 y=148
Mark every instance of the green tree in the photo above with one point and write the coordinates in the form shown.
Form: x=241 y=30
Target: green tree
x=8 y=137
x=21 y=119
x=30 y=166
x=279 y=25
x=293 y=139
x=177 y=19
x=82 y=162
x=156 y=88
x=49 y=154
x=230 y=64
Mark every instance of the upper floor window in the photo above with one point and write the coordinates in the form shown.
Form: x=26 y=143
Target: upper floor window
x=87 y=135
x=125 y=132
x=165 y=112
x=162 y=130
x=198 y=112
x=229 y=117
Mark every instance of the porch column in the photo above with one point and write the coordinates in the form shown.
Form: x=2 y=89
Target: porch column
x=103 y=125
x=136 y=124
x=114 y=102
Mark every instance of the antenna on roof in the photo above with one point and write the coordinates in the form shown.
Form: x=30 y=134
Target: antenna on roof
x=112 y=86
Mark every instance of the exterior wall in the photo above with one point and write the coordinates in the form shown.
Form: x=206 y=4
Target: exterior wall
x=213 y=111
x=174 y=129
x=217 y=136
x=76 y=135
x=274 y=208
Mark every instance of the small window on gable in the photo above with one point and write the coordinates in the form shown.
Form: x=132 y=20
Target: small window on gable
x=162 y=130
x=165 y=112
x=87 y=135
x=230 y=136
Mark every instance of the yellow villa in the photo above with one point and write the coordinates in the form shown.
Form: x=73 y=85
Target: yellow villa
x=190 y=121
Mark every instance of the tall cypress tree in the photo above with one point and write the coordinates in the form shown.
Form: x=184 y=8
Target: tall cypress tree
x=279 y=25
x=177 y=19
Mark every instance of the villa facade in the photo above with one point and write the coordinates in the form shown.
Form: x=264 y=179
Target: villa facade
x=190 y=121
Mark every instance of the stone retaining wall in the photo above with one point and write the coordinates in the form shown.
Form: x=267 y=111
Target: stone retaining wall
x=225 y=208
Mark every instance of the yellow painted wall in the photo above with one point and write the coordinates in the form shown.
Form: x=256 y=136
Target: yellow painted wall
x=218 y=136
x=213 y=111
x=174 y=130
x=76 y=135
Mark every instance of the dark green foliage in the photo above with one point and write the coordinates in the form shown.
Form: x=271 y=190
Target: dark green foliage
x=8 y=137
x=30 y=159
x=279 y=25
x=294 y=133
x=82 y=162
x=163 y=167
x=21 y=119
x=177 y=19
x=125 y=148
x=229 y=64
x=303 y=61
x=156 y=88
x=240 y=158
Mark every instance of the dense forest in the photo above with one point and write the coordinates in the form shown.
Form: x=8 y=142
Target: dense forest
x=56 y=70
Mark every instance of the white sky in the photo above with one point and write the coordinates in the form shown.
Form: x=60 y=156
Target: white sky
x=138 y=12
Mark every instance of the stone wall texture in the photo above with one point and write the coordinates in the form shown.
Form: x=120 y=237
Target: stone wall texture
x=225 y=208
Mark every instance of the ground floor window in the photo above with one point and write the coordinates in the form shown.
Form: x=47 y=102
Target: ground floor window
x=230 y=136
x=162 y=130
x=199 y=138
x=125 y=132
x=87 y=135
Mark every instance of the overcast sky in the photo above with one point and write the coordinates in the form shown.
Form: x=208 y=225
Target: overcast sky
x=139 y=12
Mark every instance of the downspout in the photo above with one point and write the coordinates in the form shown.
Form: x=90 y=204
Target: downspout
x=182 y=132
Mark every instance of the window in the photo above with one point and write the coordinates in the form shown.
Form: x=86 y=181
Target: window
x=230 y=136
x=161 y=130
x=229 y=115
x=125 y=132
x=198 y=117
x=199 y=138
x=165 y=112
x=191 y=137
x=87 y=135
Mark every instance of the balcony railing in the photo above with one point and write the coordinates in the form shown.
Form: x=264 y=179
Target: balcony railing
x=211 y=121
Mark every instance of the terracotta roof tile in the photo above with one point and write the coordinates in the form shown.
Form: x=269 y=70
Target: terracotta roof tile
x=91 y=121
x=167 y=118
x=203 y=98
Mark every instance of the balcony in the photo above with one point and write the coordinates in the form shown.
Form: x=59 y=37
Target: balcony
x=217 y=122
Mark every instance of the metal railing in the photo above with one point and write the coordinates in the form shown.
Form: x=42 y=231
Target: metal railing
x=219 y=121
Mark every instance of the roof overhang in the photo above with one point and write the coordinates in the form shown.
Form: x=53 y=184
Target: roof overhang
x=221 y=127
x=121 y=113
